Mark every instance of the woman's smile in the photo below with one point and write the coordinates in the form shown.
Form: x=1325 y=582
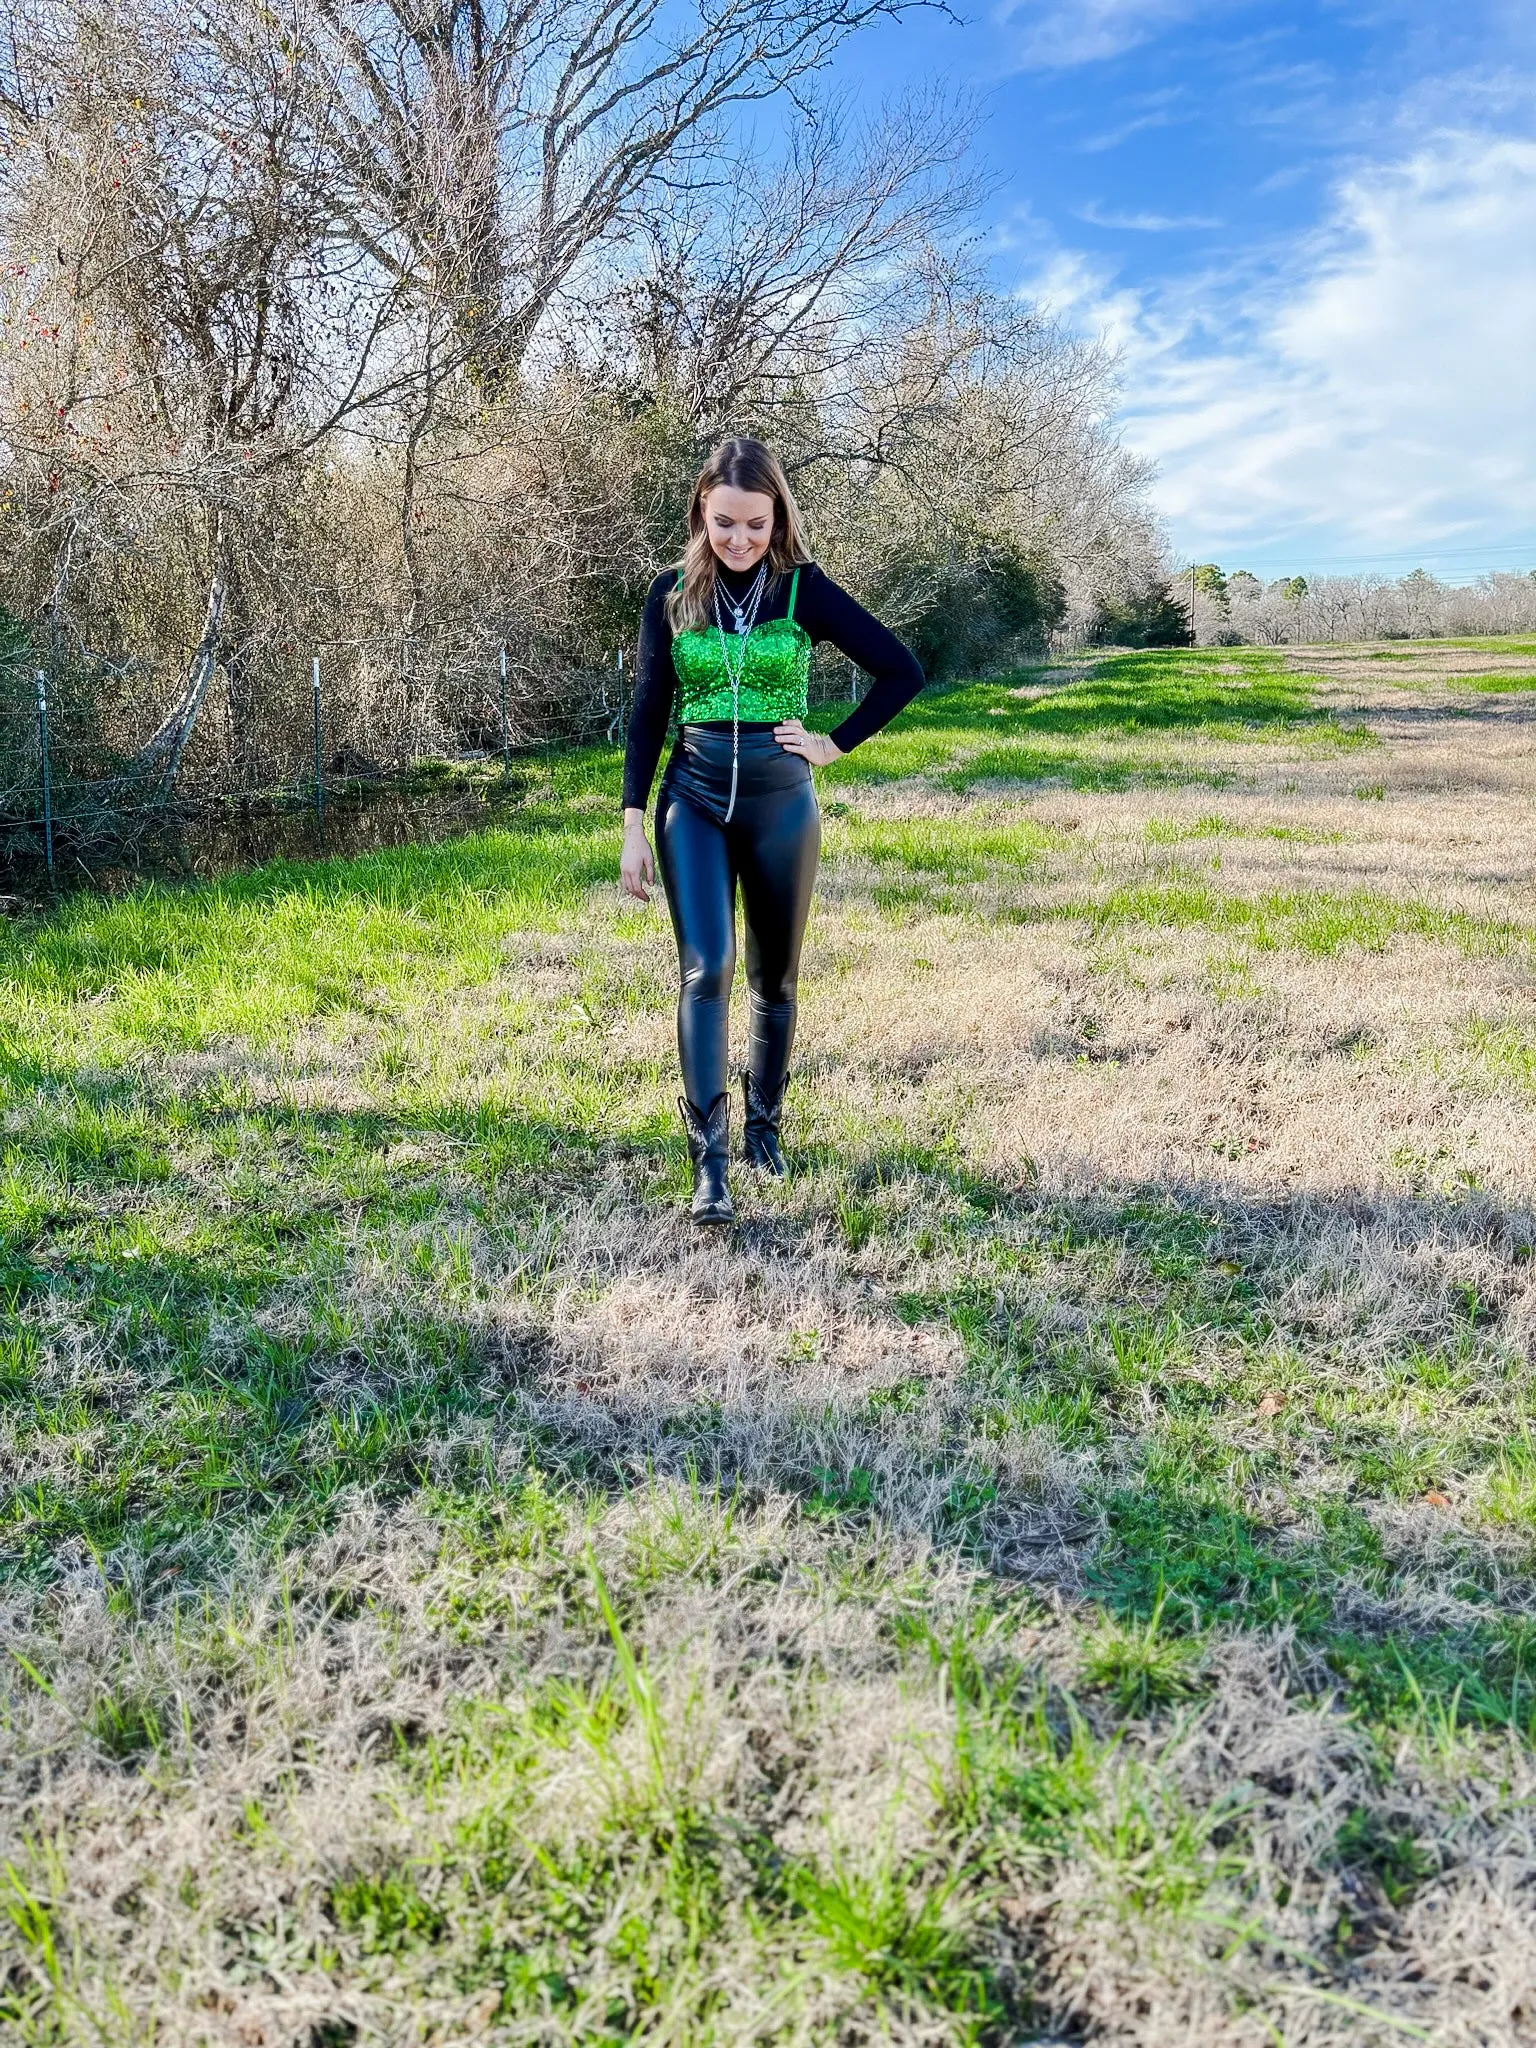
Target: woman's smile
x=740 y=525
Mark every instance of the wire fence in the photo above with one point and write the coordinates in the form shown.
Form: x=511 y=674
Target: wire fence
x=72 y=793
x=144 y=811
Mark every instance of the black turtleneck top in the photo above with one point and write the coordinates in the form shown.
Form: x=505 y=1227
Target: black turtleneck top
x=825 y=610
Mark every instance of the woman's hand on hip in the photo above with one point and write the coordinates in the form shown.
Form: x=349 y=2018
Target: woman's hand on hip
x=815 y=747
x=637 y=864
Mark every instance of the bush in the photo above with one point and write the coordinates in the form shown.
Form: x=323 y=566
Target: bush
x=18 y=725
x=989 y=603
x=1154 y=617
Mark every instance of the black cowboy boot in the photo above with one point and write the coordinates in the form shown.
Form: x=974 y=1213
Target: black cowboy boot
x=709 y=1136
x=761 y=1135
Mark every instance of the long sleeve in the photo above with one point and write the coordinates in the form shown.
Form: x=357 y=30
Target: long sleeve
x=828 y=613
x=655 y=688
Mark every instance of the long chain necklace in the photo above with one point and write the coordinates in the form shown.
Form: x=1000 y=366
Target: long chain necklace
x=743 y=619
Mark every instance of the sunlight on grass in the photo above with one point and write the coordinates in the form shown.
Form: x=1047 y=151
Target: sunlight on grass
x=1505 y=1052
x=1094 y=732
x=256 y=954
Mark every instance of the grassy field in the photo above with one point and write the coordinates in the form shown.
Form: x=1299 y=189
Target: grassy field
x=1060 y=1570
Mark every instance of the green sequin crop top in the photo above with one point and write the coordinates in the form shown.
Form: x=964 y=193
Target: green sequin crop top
x=685 y=673
x=775 y=672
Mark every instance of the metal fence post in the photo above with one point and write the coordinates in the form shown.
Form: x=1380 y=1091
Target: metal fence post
x=42 y=745
x=314 y=678
x=506 y=731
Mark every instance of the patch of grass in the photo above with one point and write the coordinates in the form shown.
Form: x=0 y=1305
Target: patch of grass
x=1319 y=922
x=1138 y=1665
x=1105 y=730
x=386 y=1914
x=932 y=847
x=940 y=869
x=256 y=955
x=127 y=1725
x=1175 y=831
x=1397 y=1862
x=1504 y=1052
x=898 y=1930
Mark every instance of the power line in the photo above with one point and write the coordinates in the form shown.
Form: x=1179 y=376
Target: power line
x=1344 y=563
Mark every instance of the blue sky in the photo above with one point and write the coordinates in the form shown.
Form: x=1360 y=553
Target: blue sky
x=1309 y=228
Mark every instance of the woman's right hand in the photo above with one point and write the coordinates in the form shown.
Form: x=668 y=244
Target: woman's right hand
x=637 y=864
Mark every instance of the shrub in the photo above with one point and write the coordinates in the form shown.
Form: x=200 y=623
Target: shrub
x=989 y=603
x=1154 y=617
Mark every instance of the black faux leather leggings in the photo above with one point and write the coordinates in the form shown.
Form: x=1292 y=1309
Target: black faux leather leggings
x=770 y=847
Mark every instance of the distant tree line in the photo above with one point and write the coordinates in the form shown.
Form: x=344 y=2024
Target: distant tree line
x=1241 y=609
x=393 y=335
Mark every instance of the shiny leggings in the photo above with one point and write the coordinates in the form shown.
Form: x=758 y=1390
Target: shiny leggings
x=770 y=848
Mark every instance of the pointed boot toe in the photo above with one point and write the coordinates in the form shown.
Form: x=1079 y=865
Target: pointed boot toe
x=709 y=1133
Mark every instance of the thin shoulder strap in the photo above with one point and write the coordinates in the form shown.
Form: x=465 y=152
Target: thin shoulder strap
x=794 y=585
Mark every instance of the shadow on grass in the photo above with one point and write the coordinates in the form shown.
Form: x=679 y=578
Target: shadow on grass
x=205 y=1418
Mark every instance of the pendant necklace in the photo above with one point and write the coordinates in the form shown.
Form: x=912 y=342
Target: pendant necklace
x=744 y=610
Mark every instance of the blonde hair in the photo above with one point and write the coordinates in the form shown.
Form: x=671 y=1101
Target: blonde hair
x=740 y=464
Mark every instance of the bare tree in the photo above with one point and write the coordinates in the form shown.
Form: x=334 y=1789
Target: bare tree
x=399 y=327
x=206 y=331
x=1414 y=606
x=769 y=279
x=495 y=145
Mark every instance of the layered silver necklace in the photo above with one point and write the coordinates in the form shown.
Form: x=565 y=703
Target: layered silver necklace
x=733 y=652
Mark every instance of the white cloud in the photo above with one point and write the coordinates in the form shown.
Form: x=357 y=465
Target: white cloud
x=1161 y=116
x=1057 y=33
x=1376 y=390
x=1146 y=223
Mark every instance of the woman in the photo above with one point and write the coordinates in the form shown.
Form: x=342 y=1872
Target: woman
x=727 y=636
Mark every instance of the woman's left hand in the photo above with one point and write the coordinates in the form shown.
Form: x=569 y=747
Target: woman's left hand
x=815 y=747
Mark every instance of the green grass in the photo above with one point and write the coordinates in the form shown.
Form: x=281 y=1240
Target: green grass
x=258 y=953
x=1317 y=921
x=440 y=1634
x=1133 y=718
x=1175 y=831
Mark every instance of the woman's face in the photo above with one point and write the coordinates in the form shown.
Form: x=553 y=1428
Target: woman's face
x=739 y=524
